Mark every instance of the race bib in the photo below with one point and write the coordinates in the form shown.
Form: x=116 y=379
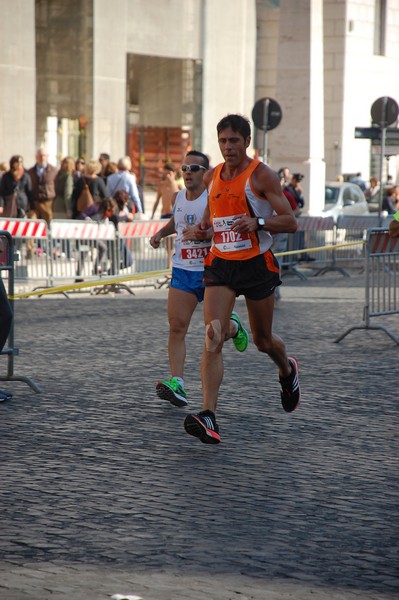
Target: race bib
x=227 y=240
x=193 y=253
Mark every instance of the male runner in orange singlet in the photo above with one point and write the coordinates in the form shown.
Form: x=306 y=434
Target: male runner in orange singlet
x=245 y=204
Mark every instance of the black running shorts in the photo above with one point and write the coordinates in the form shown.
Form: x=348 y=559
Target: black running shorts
x=255 y=278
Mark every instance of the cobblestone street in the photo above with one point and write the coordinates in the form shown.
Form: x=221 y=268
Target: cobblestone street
x=103 y=492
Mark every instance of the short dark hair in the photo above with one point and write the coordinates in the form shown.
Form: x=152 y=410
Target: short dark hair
x=17 y=158
x=105 y=156
x=108 y=203
x=201 y=155
x=237 y=123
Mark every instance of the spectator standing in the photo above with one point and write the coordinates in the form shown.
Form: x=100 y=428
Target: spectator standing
x=390 y=203
x=294 y=187
x=102 y=212
x=358 y=180
x=166 y=192
x=123 y=213
x=79 y=169
x=372 y=194
x=104 y=159
x=96 y=185
x=285 y=176
x=373 y=190
x=16 y=198
x=43 y=176
x=4 y=167
x=109 y=169
x=62 y=207
x=125 y=180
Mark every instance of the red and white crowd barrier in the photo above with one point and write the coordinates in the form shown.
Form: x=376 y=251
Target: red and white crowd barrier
x=81 y=230
x=140 y=228
x=24 y=228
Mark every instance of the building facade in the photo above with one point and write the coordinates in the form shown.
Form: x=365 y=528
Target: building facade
x=154 y=77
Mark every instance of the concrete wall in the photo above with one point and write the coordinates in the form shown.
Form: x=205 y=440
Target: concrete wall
x=245 y=49
x=17 y=80
x=353 y=79
x=367 y=77
x=268 y=26
x=173 y=29
x=229 y=47
x=109 y=77
x=299 y=141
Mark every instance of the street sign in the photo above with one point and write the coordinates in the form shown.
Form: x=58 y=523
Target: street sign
x=266 y=114
x=384 y=111
x=368 y=133
x=375 y=134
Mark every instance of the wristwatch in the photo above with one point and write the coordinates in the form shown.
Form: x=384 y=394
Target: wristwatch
x=261 y=221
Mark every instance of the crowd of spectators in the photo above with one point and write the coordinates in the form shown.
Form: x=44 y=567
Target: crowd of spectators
x=46 y=192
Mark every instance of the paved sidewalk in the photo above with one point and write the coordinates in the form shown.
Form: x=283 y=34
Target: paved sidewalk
x=103 y=492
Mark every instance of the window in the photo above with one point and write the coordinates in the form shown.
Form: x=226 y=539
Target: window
x=380 y=22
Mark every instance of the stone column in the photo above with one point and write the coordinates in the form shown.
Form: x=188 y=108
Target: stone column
x=299 y=139
x=18 y=80
x=229 y=49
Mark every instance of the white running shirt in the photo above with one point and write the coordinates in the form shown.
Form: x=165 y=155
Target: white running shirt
x=189 y=254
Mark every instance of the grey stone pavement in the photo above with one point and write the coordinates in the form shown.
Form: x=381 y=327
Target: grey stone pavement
x=102 y=491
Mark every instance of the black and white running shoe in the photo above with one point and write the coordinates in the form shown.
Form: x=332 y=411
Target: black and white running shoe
x=290 y=390
x=203 y=426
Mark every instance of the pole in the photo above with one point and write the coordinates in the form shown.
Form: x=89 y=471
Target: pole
x=265 y=127
x=382 y=150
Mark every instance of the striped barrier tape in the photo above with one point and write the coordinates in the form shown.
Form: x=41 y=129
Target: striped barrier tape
x=315 y=223
x=82 y=230
x=140 y=228
x=381 y=243
x=32 y=228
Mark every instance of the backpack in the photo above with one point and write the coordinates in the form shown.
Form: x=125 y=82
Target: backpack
x=85 y=199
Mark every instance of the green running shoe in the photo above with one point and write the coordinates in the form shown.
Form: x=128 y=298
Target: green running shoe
x=240 y=341
x=172 y=391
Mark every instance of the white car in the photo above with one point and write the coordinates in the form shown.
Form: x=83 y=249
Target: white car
x=344 y=199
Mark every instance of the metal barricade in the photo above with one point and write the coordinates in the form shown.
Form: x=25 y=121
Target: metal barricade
x=382 y=280
x=82 y=249
x=135 y=252
x=31 y=245
x=314 y=234
x=7 y=255
x=353 y=229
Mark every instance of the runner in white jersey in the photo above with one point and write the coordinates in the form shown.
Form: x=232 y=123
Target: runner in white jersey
x=186 y=287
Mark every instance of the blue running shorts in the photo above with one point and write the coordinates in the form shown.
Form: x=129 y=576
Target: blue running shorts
x=188 y=281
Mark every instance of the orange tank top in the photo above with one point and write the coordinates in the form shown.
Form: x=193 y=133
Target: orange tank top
x=234 y=197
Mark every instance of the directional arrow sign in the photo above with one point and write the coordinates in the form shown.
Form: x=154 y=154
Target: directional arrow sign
x=374 y=134
x=368 y=133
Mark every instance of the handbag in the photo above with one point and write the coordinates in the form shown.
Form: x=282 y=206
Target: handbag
x=85 y=199
x=10 y=208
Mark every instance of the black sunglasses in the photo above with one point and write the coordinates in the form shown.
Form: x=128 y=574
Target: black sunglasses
x=193 y=168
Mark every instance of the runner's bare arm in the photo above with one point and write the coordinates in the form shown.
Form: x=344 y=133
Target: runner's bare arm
x=166 y=230
x=267 y=185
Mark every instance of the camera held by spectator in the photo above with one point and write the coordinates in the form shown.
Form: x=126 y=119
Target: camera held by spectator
x=298 y=176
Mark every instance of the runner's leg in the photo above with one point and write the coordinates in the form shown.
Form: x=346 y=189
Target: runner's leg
x=260 y=314
x=218 y=305
x=181 y=306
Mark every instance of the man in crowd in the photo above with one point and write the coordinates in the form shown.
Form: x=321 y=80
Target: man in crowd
x=43 y=176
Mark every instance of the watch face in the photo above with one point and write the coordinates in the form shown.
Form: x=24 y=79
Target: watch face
x=261 y=222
